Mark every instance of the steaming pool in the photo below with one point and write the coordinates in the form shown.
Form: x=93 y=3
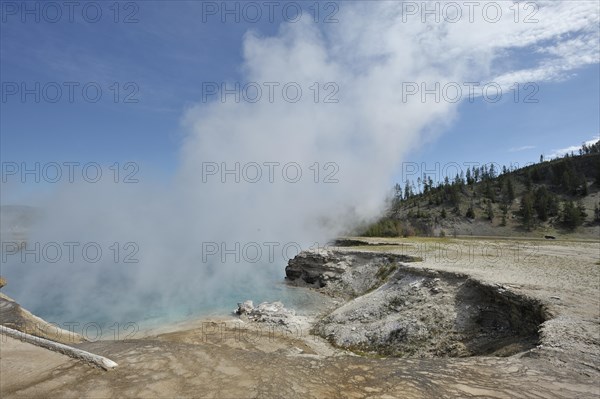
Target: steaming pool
x=103 y=319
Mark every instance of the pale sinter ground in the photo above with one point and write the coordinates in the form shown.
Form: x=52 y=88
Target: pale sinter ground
x=198 y=359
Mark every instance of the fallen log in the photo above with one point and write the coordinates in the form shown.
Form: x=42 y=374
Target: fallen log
x=75 y=353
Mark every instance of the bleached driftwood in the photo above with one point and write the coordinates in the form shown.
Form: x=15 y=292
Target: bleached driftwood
x=88 y=357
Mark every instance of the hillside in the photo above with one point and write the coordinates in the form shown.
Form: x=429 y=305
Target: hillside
x=551 y=198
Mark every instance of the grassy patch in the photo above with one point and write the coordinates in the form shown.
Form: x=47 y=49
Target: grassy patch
x=379 y=248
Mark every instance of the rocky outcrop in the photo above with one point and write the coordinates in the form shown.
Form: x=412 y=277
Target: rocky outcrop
x=346 y=274
x=266 y=312
x=245 y=308
x=399 y=310
x=435 y=315
x=316 y=267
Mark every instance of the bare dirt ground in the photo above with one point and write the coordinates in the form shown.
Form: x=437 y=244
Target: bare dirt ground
x=230 y=359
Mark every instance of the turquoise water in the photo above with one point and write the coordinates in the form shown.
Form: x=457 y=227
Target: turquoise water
x=79 y=295
x=97 y=320
x=302 y=300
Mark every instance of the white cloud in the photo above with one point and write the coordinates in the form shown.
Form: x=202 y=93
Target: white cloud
x=566 y=36
x=522 y=148
x=573 y=148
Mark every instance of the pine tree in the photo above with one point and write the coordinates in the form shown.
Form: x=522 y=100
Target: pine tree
x=567 y=182
x=456 y=210
x=490 y=212
x=570 y=215
x=488 y=191
x=584 y=186
x=443 y=214
x=553 y=205
x=470 y=212
x=536 y=175
x=469 y=179
x=457 y=181
x=510 y=191
x=492 y=171
x=582 y=212
x=454 y=196
x=528 y=181
x=541 y=203
x=407 y=191
x=526 y=211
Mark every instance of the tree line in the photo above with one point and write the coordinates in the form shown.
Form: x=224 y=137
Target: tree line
x=550 y=189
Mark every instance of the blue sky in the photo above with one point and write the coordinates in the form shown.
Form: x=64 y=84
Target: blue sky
x=170 y=51
x=518 y=133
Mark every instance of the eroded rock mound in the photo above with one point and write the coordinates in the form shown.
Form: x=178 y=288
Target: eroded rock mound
x=316 y=267
x=342 y=273
x=399 y=310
